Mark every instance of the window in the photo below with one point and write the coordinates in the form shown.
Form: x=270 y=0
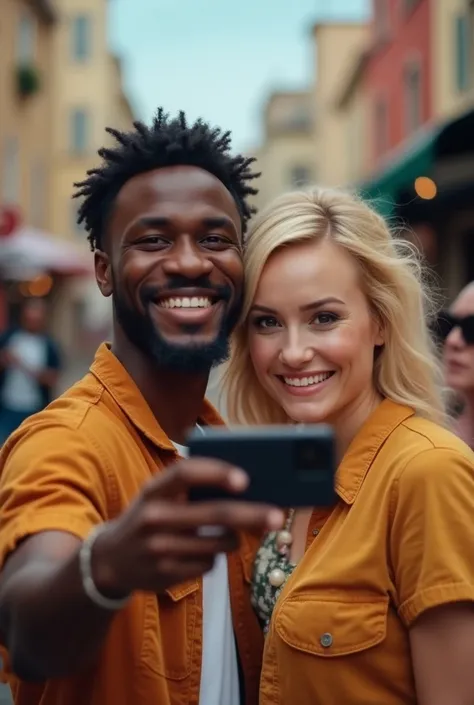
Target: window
x=26 y=39
x=381 y=127
x=412 y=91
x=79 y=131
x=11 y=171
x=300 y=176
x=81 y=38
x=462 y=38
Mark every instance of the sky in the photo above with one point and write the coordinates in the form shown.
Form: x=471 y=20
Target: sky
x=219 y=59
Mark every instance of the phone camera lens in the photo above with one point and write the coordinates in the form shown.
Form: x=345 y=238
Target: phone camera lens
x=308 y=456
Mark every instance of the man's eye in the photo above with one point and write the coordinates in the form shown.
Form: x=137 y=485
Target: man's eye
x=153 y=240
x=215 y=240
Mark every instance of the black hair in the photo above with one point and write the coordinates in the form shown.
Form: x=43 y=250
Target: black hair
x=168 y=142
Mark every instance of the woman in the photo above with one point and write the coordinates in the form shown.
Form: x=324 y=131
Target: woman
x=457 y=330
x=372 y=602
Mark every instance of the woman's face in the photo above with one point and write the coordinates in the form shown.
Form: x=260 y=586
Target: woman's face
x=312 y=335
x=458 y=354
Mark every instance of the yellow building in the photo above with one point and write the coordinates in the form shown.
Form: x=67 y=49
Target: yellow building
x=286 y=157
x=26 y=93
x=453 y=51
x=341 y=133
x=88 y=96
x=352 y=104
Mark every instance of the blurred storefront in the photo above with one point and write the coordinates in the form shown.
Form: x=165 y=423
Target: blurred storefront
x=34 y=263
x=430 y=188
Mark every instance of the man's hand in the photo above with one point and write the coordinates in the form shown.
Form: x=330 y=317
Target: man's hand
x=158 y=542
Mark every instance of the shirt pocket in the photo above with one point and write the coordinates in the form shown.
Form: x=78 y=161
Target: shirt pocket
x=329 y=626
x=170 y=623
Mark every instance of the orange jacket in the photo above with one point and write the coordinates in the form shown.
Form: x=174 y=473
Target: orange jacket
x=80 y=462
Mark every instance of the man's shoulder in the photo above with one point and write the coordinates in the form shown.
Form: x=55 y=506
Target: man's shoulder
x=82 y=408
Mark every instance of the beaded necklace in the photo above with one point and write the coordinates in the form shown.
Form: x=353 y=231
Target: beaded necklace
x=271 y=571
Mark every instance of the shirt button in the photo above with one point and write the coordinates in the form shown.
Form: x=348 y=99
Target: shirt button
x=326 y=640
x=315 y=532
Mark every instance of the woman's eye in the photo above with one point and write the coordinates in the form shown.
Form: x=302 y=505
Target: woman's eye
x=266 y=322
x=325 y=319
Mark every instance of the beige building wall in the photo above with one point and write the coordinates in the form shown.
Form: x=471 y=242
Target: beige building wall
x=79 y=85
x=449 y=100
x=88 y=96
x=287 y=156
x=26 y=32
x=338 y=48
x=353 y=107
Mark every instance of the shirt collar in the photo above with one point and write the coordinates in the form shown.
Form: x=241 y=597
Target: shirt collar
x=115 y=379
x=364 y=448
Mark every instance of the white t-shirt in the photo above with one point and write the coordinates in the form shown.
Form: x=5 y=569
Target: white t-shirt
x=21 y=392
x=219 y=670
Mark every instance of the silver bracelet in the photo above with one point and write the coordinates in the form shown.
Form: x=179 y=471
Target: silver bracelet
x=85 y=563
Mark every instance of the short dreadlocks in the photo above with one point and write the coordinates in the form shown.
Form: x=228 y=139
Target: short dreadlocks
x=168 y=142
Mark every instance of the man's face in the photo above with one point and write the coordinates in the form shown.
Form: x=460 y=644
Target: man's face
x=174 y=266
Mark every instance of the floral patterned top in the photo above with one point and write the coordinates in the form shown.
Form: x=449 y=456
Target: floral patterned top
x=263 y=594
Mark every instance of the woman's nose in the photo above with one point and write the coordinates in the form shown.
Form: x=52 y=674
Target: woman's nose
x=296 y=355
x=455 y=338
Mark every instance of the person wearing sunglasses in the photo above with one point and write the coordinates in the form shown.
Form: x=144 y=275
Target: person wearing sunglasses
x=456 y=328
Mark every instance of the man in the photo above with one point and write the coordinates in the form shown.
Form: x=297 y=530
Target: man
x=101 y=596
x=29 y=367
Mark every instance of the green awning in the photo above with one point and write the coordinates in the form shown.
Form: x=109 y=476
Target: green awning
x=417 y=160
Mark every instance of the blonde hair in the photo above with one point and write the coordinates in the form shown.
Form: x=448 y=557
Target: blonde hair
x=407 y=370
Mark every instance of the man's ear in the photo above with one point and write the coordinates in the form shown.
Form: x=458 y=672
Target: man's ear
x=103 y=272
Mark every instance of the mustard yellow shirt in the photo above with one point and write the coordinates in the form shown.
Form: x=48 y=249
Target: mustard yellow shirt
x=400 y=541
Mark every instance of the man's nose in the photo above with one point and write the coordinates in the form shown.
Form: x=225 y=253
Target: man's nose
x=187 y=260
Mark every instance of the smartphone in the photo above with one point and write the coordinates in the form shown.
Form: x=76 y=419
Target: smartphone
x=288 y=466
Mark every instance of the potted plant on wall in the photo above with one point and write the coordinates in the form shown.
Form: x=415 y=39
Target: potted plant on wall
x=27 y=80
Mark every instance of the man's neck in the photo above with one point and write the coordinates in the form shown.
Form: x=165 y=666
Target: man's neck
x=175 y=398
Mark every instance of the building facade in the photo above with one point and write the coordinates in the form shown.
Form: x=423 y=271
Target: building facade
x=286 y=156
x=398 y=82
x=26 y=96
x=60 y=86
x=337 y=49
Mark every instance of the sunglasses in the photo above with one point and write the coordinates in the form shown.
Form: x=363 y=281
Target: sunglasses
x=446 y=322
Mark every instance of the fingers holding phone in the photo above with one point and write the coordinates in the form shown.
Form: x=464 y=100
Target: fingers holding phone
x=163 y=539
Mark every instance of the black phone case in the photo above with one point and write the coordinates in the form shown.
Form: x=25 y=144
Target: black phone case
x=288 y=466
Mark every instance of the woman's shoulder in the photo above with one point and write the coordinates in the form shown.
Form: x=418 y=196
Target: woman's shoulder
x=421 y=434
x=427 y=452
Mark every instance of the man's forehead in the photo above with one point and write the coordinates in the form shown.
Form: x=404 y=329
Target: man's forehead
x=176 y=184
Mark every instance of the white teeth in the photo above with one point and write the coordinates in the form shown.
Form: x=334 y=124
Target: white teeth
x=307 y=381
x=186 y=302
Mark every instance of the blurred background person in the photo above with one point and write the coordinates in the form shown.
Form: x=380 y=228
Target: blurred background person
x=457 y=330
x=30 y=363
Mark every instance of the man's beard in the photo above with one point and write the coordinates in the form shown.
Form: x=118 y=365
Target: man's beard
x=143 y=333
